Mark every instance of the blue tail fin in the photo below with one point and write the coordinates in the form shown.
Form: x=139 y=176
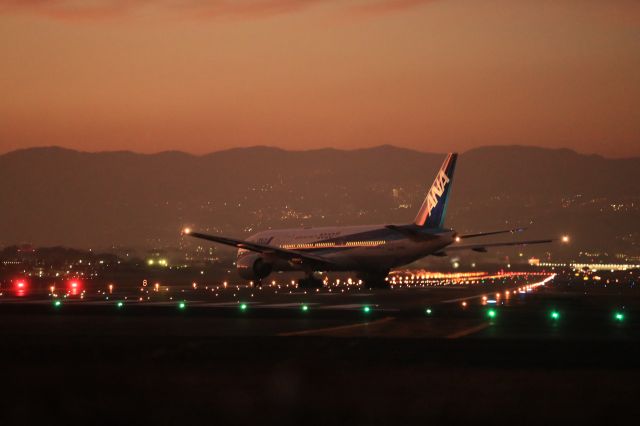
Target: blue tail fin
x=434 y=207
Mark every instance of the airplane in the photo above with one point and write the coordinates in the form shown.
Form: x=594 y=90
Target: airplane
x=370 y=250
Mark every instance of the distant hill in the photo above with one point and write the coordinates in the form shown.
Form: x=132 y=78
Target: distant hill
x=55 y=196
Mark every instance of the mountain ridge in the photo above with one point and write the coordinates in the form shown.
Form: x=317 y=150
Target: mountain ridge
x=383 y=147
x=59 y=196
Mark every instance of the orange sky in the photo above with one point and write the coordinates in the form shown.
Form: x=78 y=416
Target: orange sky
x=435 y=75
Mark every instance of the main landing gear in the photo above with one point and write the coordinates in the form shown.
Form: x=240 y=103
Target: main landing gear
x=373 y=280
x=310 y=282
x=370 y=279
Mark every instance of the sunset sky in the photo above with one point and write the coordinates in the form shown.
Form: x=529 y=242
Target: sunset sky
x=433 y=75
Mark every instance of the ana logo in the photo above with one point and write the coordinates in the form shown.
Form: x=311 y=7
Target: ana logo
x=436 y=190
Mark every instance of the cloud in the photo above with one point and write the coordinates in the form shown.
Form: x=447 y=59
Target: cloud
x=251 y=8
x=383 y=7
x=108 y=9
x=105 y=9
x=259 y=8
x=71 y=9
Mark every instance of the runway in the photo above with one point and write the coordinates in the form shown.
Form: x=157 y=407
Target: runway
x=519 y=308
x=435 y=351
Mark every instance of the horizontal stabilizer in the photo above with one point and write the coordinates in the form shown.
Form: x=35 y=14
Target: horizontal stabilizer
x=483 y=234
x=483 y=247
x=480 y=249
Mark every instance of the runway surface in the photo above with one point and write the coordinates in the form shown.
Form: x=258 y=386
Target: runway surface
x=441 y=355
x=526 y=307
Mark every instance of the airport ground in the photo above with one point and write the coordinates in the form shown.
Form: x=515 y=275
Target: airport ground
x=506 y=350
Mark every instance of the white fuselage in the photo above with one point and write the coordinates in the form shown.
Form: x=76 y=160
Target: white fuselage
x=368 y=247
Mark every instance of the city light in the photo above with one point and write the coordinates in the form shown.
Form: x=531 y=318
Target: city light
x=186 y=231
x=565 y=239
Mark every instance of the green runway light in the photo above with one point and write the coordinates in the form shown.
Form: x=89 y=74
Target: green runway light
x=119 y=305
x=366 y=309
x=428 y=311
x=555 y=315
x=619 y=316
x=182 y=305
x=491 y=313
x=243 y=306
x=57 y=304
x=305 y=308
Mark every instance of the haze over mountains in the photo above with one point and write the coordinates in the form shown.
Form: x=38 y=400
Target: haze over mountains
x=54 y=196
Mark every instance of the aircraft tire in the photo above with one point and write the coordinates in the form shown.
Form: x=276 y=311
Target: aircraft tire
x=371 y=281
x=310 y=283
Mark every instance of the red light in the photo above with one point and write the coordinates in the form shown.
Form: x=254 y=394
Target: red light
x=20 y=287
x=74 y=287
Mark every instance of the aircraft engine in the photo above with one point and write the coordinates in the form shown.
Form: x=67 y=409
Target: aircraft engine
x=253 y=267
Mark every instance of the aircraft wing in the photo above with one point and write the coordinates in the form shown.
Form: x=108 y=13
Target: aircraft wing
x=293 y=256
x=482 y=234
x=483 y=247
